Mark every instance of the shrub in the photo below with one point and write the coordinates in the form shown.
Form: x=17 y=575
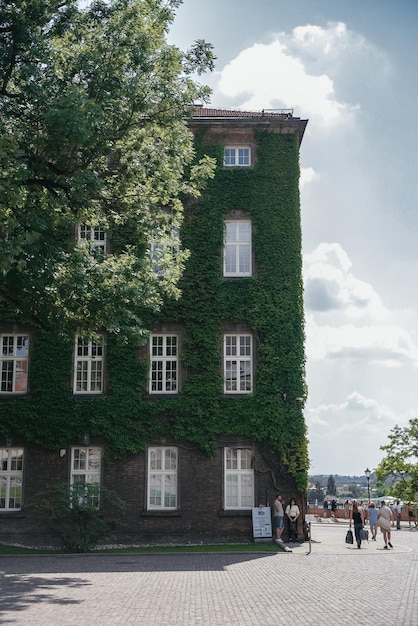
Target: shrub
x=76 y=514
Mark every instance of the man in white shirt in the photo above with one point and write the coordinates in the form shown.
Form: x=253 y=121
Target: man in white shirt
x=397 y=509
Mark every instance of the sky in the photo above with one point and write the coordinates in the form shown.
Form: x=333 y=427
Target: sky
x=349 y=67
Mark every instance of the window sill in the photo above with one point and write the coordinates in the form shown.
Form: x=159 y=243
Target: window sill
x=237 y=394
x=234 y=513
x=161 y=513
x=162 y=396
x=87 y=396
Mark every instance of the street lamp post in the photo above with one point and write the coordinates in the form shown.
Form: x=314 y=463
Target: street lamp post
x=367 y=473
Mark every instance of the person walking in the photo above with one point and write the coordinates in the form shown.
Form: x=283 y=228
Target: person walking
x=346 y=509
x=357 y=517
x=372 y=516
x=397 y=510
x=384 y=518
x=411 y=515
x=278 y=515
x=293 y=512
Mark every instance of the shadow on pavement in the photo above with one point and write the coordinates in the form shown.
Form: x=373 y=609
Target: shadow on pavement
x=17 y=593
x=83 y=564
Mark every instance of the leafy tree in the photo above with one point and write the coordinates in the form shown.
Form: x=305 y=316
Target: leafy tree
x=355 y=490
x=331 y=487
x=93 y=108
x=381 y=489
x=400 y=461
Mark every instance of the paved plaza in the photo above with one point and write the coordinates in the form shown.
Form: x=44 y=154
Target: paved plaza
x=333 y=584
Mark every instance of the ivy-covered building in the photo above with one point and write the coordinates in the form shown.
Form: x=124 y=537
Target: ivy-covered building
x=205 y=420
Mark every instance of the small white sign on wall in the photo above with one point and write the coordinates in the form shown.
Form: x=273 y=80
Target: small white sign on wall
x=261 y=522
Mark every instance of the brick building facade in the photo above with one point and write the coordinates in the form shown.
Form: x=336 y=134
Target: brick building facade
x=223 y=366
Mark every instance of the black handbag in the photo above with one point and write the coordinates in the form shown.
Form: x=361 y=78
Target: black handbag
x=349 y=536
x=364 y=534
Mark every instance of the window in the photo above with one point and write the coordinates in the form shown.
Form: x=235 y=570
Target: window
x=11 y=476
x=165 y=251
x=238 y=364
x=239 y=478
x=88 y=364
x=237 y=249
x=14 y=363
x=94 y=237
x=237 y=156
x=85 y=474
x=162 y=478
x=164 y=364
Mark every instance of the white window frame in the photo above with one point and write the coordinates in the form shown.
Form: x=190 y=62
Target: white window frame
x=11 y=479
x=238 y=363
x=238 y=478
x=164 y=363
x=93 y=236
x=88 y=365
x=86 y=463
x=162 y=478
x=238 y=155
x=237 y=254
x=14 y=363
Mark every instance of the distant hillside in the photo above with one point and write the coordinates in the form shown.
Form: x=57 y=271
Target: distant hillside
x=341 y=479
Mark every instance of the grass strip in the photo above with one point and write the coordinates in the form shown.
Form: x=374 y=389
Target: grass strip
x=224 y=547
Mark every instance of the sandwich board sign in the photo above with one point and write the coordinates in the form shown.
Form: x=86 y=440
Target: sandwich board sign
x=261 y=522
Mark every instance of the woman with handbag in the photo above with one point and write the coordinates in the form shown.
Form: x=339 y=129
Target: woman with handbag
x=293 y=512
x=357 y=517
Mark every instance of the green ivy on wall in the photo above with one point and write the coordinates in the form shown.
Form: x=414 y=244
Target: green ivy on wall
x=270 y=302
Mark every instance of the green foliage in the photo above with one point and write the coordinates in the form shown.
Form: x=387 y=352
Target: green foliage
x=381 y=489
x=400 y=461
x=92 y=130
x=331 y=487
x=71 y=514
x=270 y=302
x=355 y=490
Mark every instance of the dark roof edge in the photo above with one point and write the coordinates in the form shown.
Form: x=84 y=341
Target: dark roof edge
x=278 y=118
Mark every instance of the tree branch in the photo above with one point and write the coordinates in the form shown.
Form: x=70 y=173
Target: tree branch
x=10 y=69
x=47 y=184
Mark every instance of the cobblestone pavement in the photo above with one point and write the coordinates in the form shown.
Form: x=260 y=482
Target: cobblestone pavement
x=334 y=584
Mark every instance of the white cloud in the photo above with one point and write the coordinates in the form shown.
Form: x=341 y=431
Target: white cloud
x=330 y=285
x=278 y=80
x=276 y=75
x=318 y=40
x=388 y=345
x=345 y=55
x=340 y=433
x=347 y=435
x=354 y=411
x=345 y=317
x=307 y=175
